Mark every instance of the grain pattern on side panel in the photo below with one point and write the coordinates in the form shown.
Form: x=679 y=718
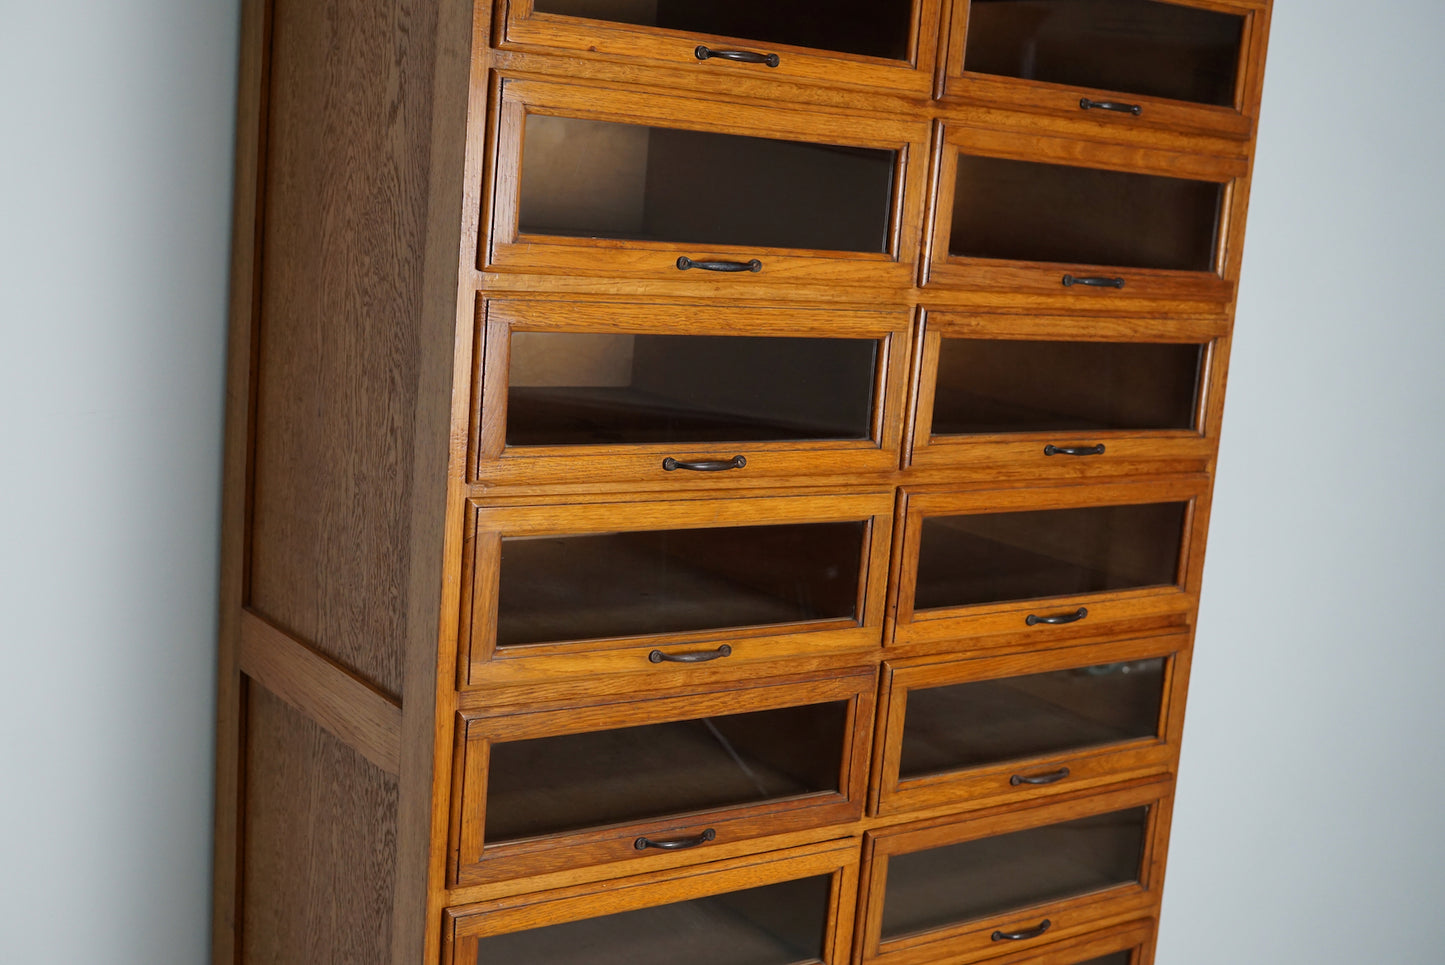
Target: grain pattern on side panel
x=346 y=209
x=320 y=852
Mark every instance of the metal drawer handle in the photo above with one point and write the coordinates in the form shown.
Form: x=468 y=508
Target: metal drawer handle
x=1052 y=450
x=703 y=52
x=1053 y=777
x=676 y=844
x=1018 y=936
x=1087 y=105
x=1033 y=619
x=701 y=656
x=684 y=263
x=1096 y=282
x=714 y=465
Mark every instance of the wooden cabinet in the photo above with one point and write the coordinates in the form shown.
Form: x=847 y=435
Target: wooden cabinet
x=721 y=483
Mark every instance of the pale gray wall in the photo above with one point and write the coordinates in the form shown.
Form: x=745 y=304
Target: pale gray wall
x=1306 y=829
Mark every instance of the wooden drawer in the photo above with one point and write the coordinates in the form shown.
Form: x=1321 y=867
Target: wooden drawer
x=707 y=197
x=1185 y=65
x=853 y=43
x=1129 y=944
x=654 y=783
x=1031 y=568
x=1092 y=227
x=677 y=396
x=778 y=909
x=1012 y=880
x=975 y=733
x=1057 y=396
x=670 y=588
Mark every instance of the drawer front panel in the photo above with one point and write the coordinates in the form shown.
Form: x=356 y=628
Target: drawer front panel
x=1047 y=564
x=680 y=396
x=702 y=194
x=797 y=907
x=663 y=587
x=1024 y=879
x=1068 y=397
x=978 y=732
x=884 y=45
x=552 y=791
x=1120 y=64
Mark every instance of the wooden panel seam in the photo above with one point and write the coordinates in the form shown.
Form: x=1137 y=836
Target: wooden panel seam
x=347 y=707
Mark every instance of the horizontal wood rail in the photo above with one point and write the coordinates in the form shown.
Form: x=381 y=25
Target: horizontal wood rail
x=350 y=709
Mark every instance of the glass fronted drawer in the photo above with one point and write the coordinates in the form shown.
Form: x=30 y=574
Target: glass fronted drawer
x=667 y=396
x=712 y=197
x=672 y=588
x=992 y=730
x=877 y=44
x=1060 y=396
x=1023 y=878
x=794 y=907
x=1091 y=225
x=651 y=783
x=1032 y=567
x=1188 y=65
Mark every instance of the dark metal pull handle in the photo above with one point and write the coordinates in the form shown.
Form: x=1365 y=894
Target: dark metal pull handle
x=684 y=263
x=1070 y=281
x=1052 y=450
x=676 y=844
x=703 y=52
x=1053 y=777
x=1088 y=105
x=701 y=656
x=1034 y=619
x=1018 y=936
x=708 y=465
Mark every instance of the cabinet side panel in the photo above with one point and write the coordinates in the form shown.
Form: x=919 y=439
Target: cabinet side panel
x=320 y=852
x=345 y=209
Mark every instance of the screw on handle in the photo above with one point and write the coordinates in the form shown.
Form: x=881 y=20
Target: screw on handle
x=702 y=656
x=1052 y=450
x=703 y=52
x=1018 y=936
x=708 y=465
x=676 y=844
x=1095 y=282
x=1087 y=105
x=684 y=263
x=1053 y=777
x=1033 y=619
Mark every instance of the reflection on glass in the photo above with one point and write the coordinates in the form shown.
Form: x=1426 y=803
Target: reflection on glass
x=991 y=876
x=872 y=28
x=599 y=179
x=1028 y=211
x=574 y=389
x=554 y=784
x=1135 y=46
x=557 y=588
x=992 y=721
x=994 y=385
x=994 y=557
x=779 y=924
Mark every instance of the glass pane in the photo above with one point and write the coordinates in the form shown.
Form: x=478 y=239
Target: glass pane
x=1026 y=211
x=674 y=581
x=872 y=28
x=773 y=925
x=1136 y=46
x=993 y=557
x=554 y=784
x=1118 y=958
x=1023 y=386
x=990 y=876
x=692 y=187
x=570 y=389
x=992 y=721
